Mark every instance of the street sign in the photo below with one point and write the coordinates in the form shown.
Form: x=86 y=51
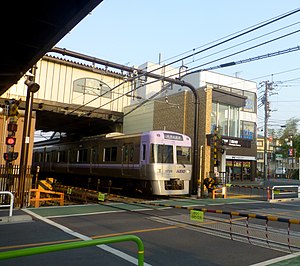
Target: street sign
x=197 y=215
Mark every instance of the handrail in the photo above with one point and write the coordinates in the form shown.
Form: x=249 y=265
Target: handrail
x=11 y=201
x=78 y=244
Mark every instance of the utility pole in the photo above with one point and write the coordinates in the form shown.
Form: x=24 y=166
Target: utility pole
x=268 y=86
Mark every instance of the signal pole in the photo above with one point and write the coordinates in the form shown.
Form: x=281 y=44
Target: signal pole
x=32 y=87
x=10 y=155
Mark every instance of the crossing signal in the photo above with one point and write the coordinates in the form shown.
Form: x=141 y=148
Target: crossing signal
x=12 y=127
x=10 y=141
x=13 y=107
x=10 y=156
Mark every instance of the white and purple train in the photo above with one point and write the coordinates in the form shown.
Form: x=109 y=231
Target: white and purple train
x=156 y=162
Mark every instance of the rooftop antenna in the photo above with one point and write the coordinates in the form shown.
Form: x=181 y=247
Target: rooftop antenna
x=159 y=58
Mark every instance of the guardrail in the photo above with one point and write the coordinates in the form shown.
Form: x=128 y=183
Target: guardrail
x=232 y=227
x=278 y=190
x=79 y=244
x=11 y=204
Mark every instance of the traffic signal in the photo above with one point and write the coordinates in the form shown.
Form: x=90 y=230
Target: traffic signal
x=13 y=107
x=10 y=156
x=12 y=127
x=10 y=141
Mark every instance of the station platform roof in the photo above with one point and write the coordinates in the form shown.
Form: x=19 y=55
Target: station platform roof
x=31 y=28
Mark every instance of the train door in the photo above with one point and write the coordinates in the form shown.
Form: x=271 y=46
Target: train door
x=165 y=157
x=128 y=159
x=143 y=159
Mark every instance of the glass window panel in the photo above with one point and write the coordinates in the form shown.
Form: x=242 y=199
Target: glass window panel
x=92 y=87
x=183 y=155
x=165 y=154
x=113 y=156
x=79 y=85
x=250 y=101
x=233 y=121
x=213 y=117
x=223 y=119
x=248 y=130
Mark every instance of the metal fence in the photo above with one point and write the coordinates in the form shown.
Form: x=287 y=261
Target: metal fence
x=10 y=181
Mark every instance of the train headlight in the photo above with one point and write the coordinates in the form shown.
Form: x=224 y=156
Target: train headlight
x=188 y=171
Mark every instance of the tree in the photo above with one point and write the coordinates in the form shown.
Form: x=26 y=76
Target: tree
x=290 y=141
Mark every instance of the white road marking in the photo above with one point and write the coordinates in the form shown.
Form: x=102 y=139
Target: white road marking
x=272 y=261
x=83 y=237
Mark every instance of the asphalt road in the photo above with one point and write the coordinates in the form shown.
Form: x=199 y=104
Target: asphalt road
x=168 y=234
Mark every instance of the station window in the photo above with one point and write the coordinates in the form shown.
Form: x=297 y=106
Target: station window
x=92 y=87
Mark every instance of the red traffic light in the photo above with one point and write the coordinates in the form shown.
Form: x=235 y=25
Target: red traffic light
x=10 y=141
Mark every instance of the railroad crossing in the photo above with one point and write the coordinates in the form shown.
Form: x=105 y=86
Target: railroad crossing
x=230 y=226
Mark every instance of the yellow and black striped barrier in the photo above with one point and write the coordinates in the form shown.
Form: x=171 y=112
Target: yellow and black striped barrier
x=231 y=213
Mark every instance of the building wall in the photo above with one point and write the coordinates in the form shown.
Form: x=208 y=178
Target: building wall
x=140 y=120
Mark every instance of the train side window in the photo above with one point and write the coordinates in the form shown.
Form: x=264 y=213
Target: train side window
x=144 y=152
x=73 y=156
x=62 y=156
x=125 y=154
x=47 y=157
x=82 y=156
x=95 y=155
x=113 y=157
x=110 y=154
x=128 y=153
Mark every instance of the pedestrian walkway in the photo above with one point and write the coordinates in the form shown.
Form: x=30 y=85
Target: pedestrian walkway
x=288 y=260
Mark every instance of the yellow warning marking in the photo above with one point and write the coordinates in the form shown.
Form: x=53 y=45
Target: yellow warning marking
x=140 y=231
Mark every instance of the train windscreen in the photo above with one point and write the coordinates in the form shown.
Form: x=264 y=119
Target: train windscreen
x=183 y=155
x=161 y=153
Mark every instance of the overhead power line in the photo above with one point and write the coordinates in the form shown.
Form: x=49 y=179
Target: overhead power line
x=233 y=34
x=260 y=57
x=259 y=26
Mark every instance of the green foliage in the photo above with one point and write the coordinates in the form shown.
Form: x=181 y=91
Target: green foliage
x=289 y=137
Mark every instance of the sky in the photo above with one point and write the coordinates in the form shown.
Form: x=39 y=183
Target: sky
x=133 y=32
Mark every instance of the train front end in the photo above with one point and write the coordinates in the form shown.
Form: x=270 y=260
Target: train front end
x=168 y=166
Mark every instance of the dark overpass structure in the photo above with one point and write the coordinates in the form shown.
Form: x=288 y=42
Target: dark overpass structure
x=31 y=30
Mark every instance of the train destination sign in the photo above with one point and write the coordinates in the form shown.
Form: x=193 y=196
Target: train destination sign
x=173 y=136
